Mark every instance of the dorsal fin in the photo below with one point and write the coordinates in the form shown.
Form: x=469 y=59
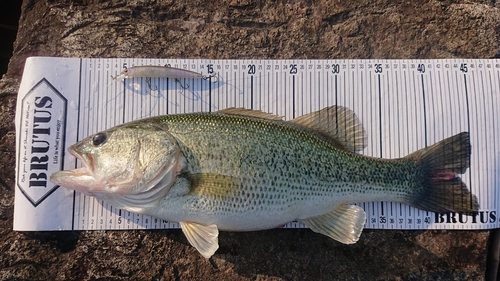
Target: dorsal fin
x=338 y=123
x=251 y=113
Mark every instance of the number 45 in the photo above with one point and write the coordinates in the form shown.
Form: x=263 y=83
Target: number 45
x=463 y=67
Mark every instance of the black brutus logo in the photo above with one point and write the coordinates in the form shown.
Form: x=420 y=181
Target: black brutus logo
x=41 y=141
x=483 y=217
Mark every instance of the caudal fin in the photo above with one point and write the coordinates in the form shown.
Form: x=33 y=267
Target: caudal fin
x=443 y=191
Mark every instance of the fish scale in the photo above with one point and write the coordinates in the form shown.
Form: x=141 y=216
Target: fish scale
x=272 y=149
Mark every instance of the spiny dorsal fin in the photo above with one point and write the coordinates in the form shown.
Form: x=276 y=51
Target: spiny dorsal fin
x=250 y=113
x=338 y=123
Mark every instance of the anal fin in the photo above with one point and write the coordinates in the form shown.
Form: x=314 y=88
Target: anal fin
x=203 y=237
x=343 y=224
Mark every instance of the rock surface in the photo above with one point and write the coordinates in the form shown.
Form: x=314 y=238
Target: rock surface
x=240 y=29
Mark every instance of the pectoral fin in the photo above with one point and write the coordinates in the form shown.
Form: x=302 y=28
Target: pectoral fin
x=203 y=237
x=344 y=224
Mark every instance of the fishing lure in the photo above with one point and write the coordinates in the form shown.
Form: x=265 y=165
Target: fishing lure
x=153 y=71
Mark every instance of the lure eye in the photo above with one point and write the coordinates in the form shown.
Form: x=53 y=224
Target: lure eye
x=99 y=139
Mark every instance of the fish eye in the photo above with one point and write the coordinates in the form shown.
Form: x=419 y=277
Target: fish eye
x=99 y=139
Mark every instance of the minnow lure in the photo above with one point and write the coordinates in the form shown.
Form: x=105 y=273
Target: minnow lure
x=153 y=71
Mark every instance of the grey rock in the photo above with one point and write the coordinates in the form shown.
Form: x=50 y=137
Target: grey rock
x=240 y=29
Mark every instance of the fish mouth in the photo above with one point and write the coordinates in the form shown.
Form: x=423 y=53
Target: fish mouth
x=80 y=179
x=85 y=158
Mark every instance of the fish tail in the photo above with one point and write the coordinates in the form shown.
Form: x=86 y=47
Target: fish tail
x=442 y=190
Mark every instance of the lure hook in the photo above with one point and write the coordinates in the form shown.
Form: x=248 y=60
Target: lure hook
x=209 y=78
x=148 y=82
x=184 y=87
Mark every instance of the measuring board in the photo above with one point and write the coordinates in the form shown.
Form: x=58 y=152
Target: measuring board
x=404 y=105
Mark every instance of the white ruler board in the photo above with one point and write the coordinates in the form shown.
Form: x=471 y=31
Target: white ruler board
x=404 y=105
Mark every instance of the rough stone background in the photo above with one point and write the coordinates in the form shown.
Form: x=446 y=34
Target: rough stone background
x=239 y=29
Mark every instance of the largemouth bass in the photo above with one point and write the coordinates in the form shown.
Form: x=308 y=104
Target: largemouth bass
x=245 y=170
